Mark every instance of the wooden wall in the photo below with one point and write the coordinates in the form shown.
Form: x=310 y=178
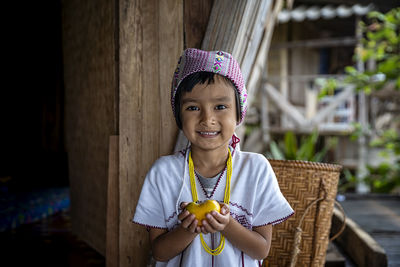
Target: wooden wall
x=90 y=111
x=119 y=59
x=151 y=41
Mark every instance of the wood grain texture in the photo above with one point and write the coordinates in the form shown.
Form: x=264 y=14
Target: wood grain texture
x=132 y=239
x=197 y=14
x=151 y=41
x=90 y=112
x=112 y=230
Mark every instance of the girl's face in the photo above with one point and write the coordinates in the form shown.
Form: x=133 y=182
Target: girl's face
x=208 y=114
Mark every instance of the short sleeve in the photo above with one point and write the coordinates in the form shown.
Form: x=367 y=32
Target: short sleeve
x=149 y=210
x=270 y=206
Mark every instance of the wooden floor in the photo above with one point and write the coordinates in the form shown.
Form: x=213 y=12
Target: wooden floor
x=47 y=243
x=380 y=217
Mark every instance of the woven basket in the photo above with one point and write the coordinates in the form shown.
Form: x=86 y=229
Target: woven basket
x=310 y=188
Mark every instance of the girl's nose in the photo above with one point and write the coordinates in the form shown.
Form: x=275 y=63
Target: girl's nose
x=207 y=118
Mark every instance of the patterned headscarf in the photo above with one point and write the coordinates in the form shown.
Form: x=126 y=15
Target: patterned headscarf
x=195 y=60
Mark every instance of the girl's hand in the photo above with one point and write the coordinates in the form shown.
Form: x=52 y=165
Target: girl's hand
x=216 y=222
x=188 y=220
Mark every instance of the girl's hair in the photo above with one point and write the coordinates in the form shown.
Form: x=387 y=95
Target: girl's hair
x=191 y=81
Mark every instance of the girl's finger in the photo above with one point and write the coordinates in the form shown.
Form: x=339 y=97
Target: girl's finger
x=183 y=215
x=188 y=221
x=216 y=221
x=224 y=209
x=198 y=230
x=208 y=224
x=193 y=226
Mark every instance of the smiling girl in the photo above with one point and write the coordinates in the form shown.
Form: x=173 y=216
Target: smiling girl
x=209 y=101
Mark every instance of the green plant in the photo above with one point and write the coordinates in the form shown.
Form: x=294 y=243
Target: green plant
x=383 y=178
x=380 y=44
x=289 y=149
x=347 y=182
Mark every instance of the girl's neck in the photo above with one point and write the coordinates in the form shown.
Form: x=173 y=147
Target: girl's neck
x=209 y=162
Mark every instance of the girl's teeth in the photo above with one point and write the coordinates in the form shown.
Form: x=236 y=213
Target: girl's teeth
x=209 y=133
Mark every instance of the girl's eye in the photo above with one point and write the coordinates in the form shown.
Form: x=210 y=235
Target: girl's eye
x=220 y=107
x=192 y=108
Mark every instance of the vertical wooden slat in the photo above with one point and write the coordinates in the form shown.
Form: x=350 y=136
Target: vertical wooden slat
x=151 y=40
x=112 y=234
x=170 y=47
x=151 y=104
x=196 y=16
x=90 y=82
x=132 y=240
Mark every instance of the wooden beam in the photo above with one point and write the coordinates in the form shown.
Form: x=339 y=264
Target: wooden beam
x=326 y=111
x=317 y=43
x=357 y=243
x=302 y=78
x=285 y=106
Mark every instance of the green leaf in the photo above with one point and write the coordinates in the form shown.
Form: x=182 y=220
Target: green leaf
x=307 y=148
x=290 y=145
x=275 y=151
x=331 y=142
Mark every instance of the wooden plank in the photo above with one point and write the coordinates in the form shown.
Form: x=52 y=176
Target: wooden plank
x=357 y=243
x=170 y=48
x=90 y=111
x=150 y=94
x=112 y=233
x=151 y=40
x=196 y=17
x=258 y=67
x=255 y=38
x=244 y=30
x=133 y=240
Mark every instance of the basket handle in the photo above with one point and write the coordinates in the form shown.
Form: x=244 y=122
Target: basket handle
x=299 y=231
x=343 y=224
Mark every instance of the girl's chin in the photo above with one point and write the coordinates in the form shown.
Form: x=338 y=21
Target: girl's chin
x=210 y=145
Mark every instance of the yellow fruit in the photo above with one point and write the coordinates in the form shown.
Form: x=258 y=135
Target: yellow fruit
x=200 y=210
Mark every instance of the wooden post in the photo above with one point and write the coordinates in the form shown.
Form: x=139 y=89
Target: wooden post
x=363 y=120
x=112 y=228
x=265 y=117
x=284 y=84
x=150 y=43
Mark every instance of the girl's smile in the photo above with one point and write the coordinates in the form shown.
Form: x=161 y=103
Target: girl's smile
x=208 y=134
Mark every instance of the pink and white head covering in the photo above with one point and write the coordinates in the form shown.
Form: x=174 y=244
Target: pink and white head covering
x=195 y=60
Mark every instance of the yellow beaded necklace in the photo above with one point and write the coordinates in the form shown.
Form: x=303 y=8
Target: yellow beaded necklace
x=227 y=196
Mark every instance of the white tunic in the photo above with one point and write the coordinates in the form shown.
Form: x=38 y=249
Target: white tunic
x=255 y=200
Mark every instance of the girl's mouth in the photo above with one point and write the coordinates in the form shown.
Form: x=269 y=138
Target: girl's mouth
x=208 y=134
